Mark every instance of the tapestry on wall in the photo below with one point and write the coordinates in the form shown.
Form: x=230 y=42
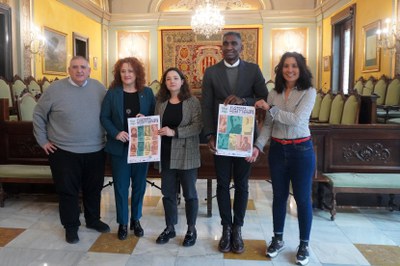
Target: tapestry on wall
x=192 y=53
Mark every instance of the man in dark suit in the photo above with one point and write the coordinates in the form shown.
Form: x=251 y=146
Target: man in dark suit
x=231 y=81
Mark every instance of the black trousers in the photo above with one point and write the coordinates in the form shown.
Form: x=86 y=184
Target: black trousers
x=238 y=168
x=169 y=190
x=75 y=172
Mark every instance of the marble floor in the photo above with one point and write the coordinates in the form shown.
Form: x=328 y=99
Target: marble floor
x=31 y=234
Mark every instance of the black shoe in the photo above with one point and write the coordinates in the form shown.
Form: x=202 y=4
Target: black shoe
x=237 y=241
x=71 y=236
x=122 y=231
x=225 y=243
x=274 y=247
x=302 y=255
x=137 y=228
x=165 y=236
x=99 y=226
x=190 y=238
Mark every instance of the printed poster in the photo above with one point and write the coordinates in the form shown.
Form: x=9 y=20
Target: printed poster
x=235 y=130
x=144 y=141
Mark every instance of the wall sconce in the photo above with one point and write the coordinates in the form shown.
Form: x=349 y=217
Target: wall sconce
x=388 y=36
x=36 y=42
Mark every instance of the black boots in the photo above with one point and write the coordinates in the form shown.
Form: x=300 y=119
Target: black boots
x=237 y=241
x=225 y=242
x=231 y=240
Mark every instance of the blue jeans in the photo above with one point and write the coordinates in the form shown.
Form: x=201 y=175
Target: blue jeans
x=292 y=163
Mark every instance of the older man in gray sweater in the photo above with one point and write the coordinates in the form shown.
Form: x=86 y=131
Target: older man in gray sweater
x=67 y=126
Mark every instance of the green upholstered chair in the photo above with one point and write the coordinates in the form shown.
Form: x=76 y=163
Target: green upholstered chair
x=391 y=107
x=317 y=106
x=351 y=109
x=335 y=115
x=359 y=85
x=26 y=104
x=155 y=86
x=393 y=121
x=33 y=86
x=368 y=87
x=5 y=91
x=270 y=85
x=45 y=85
x=18 y=87
x=325 y=108
x=380 y=90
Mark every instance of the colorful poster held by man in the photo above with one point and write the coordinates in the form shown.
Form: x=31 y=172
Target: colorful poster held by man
x=144 y=141
x=235 y=130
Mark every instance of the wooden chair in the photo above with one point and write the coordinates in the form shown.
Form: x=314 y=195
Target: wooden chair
x=317 y=106
x=391 y=107
x=335 y=116
x=380 y=89
x=18 y=87
x=26 y=104
x=33 y=86
x=270 y=85
x=155 y=86
x=368 y=87
x=5 y=91
x=45 y=83
x=325 y=109
x=359 y=85
x=351 y=110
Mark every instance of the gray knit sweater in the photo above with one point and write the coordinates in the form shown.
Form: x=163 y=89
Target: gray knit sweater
x=69 y=116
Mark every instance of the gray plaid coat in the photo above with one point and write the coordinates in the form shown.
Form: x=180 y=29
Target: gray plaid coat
x=185 y=152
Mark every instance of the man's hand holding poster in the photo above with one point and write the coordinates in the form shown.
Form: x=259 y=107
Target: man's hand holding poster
x=235 y=130
x=144 y=141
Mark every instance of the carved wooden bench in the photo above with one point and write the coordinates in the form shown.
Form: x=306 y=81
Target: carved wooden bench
x=362 y=183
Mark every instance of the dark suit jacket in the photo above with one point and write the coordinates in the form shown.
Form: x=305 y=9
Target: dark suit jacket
x=112 y=115
x=250 y=85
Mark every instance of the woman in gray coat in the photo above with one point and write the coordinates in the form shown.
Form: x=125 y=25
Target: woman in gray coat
x=181 y=124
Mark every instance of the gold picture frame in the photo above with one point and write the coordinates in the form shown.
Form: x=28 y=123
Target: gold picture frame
x=327 y=63
x=55 y=54
x=371 y=56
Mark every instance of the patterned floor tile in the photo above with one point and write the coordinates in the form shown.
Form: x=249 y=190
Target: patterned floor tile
x=380 y=254
x=254 y=250
x=8 y=234
x=110 y=243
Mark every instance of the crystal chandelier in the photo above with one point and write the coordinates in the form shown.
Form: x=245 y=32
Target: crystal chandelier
x=207 y=19
x=388 y=36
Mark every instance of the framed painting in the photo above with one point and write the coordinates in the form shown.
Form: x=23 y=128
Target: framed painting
x=55 y=54
x=81 y=45
x=287 y=40
x=371 y=57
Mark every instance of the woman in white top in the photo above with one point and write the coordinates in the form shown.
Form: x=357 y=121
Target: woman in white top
x=291 y=155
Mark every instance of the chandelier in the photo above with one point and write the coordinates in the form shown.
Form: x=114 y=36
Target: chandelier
x=207 y=19
x=388 y=36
